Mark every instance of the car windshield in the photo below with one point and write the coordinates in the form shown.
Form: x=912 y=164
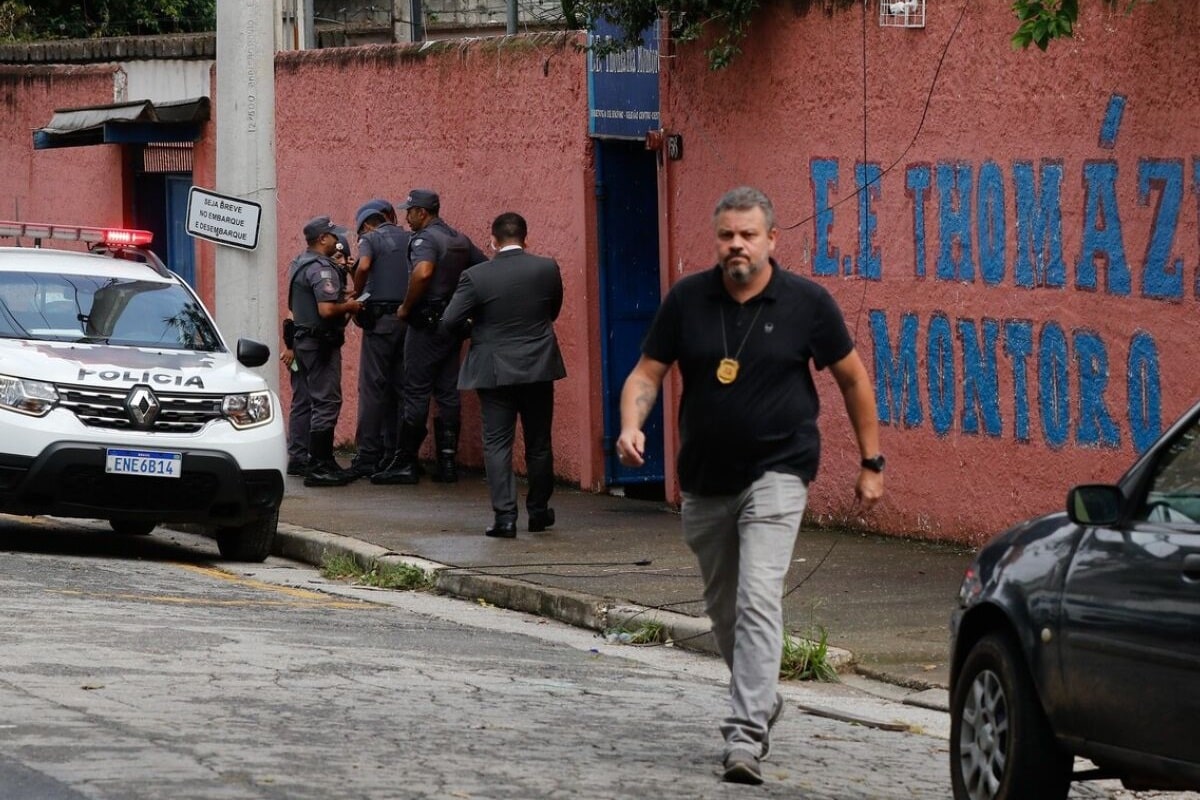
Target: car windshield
x=85 y=308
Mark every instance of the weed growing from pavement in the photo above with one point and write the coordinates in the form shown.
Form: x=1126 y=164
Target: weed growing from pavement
x=807 y=658
x=649 y=631
x=343 y=567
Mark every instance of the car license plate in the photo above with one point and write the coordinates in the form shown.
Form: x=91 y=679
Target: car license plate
x=153 y=463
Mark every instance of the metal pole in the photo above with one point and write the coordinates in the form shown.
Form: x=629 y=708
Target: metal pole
x=512 y=17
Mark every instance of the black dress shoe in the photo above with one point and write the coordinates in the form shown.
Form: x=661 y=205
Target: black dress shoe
x=502 y=530
x=540 y=520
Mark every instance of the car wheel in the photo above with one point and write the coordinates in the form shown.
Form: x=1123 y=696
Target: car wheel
x=249 y=542
x=1001 y=744
x=131 y=527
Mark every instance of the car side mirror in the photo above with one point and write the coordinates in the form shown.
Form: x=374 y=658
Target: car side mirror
x=252 y=353
x=1095 y=504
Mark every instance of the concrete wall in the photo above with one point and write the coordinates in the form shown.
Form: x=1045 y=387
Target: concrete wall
x=76 y=185
x=1022 y=277
x=492 y=125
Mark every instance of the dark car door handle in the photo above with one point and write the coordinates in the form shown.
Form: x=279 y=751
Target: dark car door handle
x=1191 y=567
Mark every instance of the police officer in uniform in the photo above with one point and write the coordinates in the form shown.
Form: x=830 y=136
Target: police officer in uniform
x=320 y=308
x=438 y=254
x=382 y=274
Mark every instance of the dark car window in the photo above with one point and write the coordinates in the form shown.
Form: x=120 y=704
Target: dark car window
x=1173 y=494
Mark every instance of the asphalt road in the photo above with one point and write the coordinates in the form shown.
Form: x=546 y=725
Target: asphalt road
x=134 y=668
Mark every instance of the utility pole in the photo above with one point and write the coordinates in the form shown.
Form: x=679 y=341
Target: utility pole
x=247 y=288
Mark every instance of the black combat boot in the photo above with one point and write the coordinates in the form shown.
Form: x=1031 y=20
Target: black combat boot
x=323 y=470
x=445 y=436
x=403 y=466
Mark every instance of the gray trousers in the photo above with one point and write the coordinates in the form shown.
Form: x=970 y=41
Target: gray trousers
x=299 y=417
x=380 y=389
x=500 y=407
x=744 y=545
x=431 y=370
x=321 y=372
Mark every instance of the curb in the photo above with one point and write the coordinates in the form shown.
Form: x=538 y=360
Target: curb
x=574 y=608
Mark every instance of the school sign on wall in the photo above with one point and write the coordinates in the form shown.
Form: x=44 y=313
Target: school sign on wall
x=623 y=86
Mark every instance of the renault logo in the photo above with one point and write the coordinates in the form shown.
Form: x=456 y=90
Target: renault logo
x=142 y=406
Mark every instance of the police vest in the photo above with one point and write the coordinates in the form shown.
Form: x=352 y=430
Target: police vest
x=387 y=280
x=454 y=256
x=302 y=302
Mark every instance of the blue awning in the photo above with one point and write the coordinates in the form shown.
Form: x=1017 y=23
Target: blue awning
x=137 y=122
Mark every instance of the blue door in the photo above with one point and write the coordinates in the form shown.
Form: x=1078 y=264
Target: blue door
x=627 y=202
x=181 y=252
x=160 y=206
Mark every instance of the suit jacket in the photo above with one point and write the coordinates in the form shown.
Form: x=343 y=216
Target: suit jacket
x=510 y=304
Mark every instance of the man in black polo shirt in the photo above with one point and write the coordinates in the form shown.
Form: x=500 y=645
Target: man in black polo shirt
x=744 y=334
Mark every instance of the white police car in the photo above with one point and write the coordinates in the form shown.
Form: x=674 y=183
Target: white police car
x=119 y=400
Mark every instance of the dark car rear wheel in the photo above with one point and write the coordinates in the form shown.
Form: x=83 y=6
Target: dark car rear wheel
x=1001 y=744
x=249 y=542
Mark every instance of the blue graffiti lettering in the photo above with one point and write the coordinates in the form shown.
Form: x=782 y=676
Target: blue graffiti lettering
x=896 y=376
x=981 y=393
x=870 y=264
x=1087 y=414
x=1145 y=391
x=824 y=176
x=955 y=261
x=1161 y=277
x=1018 y=345
x=1103 y=242
x=992 y=227
x=917 y=183
x=1039 y=259
x=1096 y=427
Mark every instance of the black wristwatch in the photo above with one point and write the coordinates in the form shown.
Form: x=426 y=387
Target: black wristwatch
x=874 y=464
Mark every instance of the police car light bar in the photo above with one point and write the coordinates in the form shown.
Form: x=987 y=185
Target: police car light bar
x=75 y=233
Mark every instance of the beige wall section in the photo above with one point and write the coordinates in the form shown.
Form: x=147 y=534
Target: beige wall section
x=167 y=79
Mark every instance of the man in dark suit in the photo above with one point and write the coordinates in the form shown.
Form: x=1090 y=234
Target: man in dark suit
x=509 y=305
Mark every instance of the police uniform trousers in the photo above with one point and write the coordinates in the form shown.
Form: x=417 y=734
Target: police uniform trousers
x=300 y=416
x=321 y=371
x=380 y=389
x=500 y=407
x=431 y=370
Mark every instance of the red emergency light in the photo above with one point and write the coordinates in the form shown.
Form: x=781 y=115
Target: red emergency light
x=75 y=233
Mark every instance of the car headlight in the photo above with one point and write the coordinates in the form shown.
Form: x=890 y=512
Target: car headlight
x=24 y=396
x=248 y=410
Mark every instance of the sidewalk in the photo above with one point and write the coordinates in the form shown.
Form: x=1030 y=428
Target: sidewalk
x=885 y=600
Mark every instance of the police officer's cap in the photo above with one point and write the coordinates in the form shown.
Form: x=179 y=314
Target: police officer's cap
x=366 y=211
x=422 y=198
x=318 y=225
x=384 y=206
x=343 y=241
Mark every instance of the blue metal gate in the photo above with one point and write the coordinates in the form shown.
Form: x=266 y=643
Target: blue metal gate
x=627 y=203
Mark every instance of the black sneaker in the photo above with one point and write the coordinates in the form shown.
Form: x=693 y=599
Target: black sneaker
x=297 y=467
x=742 y=767
x=359 y=469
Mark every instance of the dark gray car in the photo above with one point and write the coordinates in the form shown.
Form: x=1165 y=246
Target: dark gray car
x=1078 y=634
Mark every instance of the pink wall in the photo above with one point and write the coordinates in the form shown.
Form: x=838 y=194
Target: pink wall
x=57 y=185
x=1046 y=380
x=492 y=125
